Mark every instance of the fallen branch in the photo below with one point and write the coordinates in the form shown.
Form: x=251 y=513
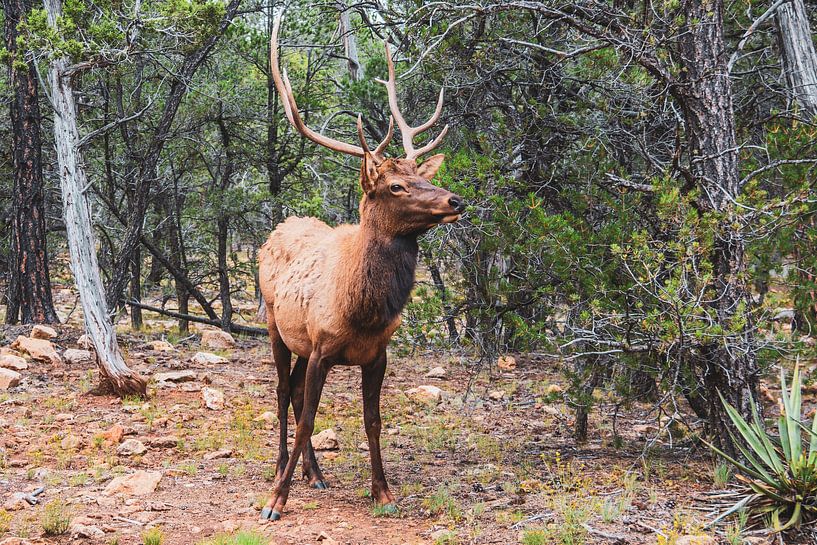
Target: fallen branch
x=612 y=537
x=234 y=328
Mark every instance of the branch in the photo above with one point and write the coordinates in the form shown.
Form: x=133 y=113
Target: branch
x=235 y=328
x=113 y=124
x=776 y=164
x=749 y=31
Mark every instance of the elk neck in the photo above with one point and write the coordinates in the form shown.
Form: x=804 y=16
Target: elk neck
x=382 y=276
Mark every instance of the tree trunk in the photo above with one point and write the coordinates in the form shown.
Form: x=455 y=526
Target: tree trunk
x=798 y=55
x=29 y=290
x=223 y=223
x=136 y=289
x=349 y=43
x=115 y=374
x=728 y=366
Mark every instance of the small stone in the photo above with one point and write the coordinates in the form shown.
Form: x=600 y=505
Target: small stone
x=218 y=454
x=325 y=440
x=83 y=527
x=496 y=395
x=15 y=541
x=230 y=526
x=9 y=378
x=438 y=535
x=71 y=442
x=40 y=331
x=426 y=394
x=326 y=539
x=363 y=446
x=506 y=363
x=85 y=342
x=16 y=502
x=63 y=417
x=437 y=372
x=205 y=358
x=553 y=389
x=113 y=435
x=175 y=376
x=15 y=363
x=139 y=483
x=268 y=418
x=168 y=441
x=131 y=447
x=213 y=399
x=217 y=339
x=37 y=349
x=74 y=356
x=161 y=346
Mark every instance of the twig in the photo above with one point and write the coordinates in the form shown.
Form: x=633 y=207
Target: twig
x=129 y=521
x=533 y=518
x=253 y=331
x=605 y=535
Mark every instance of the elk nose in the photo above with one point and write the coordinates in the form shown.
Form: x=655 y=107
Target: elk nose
x=456 y=203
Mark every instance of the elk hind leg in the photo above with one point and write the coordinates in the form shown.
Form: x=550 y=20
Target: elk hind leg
x=309 y=463
x=316 y=371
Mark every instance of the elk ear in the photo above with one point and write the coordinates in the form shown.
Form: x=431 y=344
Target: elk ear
x=368 y=173
x=430 y=166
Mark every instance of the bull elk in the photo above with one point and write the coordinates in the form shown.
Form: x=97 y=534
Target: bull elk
x=334 y=295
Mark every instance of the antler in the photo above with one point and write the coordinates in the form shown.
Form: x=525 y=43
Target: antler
x=284 y=88
x=408 y=133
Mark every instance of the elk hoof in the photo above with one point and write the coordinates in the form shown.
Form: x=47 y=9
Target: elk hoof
x=268 y=513
x=319 y=485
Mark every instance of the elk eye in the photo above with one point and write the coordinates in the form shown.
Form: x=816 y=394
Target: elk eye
x=396 y=188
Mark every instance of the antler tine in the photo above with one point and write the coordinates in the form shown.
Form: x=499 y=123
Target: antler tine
x=408 y=132
x=291 y=107
x=360 y=135
x=381 y=147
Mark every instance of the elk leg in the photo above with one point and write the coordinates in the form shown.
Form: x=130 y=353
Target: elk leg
x=283 y=359
x=372 y=383
x=316 y=371
x=309 y=463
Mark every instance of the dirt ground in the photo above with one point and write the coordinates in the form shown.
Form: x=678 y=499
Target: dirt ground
x=493 y=462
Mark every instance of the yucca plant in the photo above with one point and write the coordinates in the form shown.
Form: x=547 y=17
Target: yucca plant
x=778 y=475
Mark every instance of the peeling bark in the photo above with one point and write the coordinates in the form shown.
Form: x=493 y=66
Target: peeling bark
x=114 y=373
x=798 y=55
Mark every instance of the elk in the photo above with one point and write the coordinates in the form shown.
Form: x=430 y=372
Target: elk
x=334 y=295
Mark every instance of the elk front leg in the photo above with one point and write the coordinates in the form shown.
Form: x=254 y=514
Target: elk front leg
x=372 y=383
x=309 y=463
x=316 y=370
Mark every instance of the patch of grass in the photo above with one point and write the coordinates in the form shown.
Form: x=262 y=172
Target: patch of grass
x=223 y=469
x=56 y=518
x=5 y=521
x=721 y=474
x=442 y=502
x=734 y=532
x=241 y=538
x=488 y=448
x=385 y=511
x=612 y=508
x=190 y=468
x=153 y=536
x=311 y=506
x=535 y=537
x=269 y=473
x=448 y=538
x=79 y=479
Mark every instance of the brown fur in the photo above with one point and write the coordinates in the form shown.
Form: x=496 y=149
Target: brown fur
x=334 y=297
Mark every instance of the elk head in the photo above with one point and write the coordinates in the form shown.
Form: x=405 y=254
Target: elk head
x=398 y=198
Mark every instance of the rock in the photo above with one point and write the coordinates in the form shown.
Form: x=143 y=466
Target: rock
x=268 y=418
x=74 y=356
x=168 y=441
x=696 y=540
x=506 y=363
x=326 y=539
x=219 y=454
x=325 y=440
x=85 y=342
x=437 y=372
x=40 y=331
x=83 y=527
x=161 y=346
x=496 y=395
x=15 y=541
x=131 y=447
x=175 y=376
x=16 y=502
x=553 y=389
x=15 y=363
x=71 y=442
x=438 y=535
x=113 y=435
x=37 y=349
x=426 y=394
x=204 y=358
x=217 y=339
x=213 y=399
x=9 y=378
x=63 y=417
x=139 y=483
x=363 y=446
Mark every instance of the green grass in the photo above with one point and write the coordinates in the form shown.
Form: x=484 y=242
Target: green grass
x=241 y=538
x=56 y=518
x=153 y=536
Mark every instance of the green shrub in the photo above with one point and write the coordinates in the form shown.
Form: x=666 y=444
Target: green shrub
x=56 y=518
x=779 y=475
